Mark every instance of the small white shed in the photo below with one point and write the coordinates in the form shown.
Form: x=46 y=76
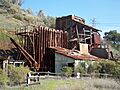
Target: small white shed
x=66 y=57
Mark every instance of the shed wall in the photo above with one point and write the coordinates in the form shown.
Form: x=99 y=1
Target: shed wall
x=60 y=61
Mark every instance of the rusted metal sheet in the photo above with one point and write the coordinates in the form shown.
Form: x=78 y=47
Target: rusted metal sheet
x=38 y=41
x=75 y=55
x=97 y=39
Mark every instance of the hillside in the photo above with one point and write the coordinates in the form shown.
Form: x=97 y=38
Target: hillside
x=12 y=16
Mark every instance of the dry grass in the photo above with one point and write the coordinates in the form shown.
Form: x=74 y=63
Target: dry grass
x=102 y=84
x=91 y=84
x=73 y=84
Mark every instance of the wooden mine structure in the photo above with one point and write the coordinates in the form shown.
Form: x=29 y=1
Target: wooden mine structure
x=36 y=43
x=78 y=32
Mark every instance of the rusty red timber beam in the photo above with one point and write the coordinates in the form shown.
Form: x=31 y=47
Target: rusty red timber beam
x=26 y=54
x=40 y=39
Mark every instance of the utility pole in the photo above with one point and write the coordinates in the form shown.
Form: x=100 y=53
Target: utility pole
x=93 y=22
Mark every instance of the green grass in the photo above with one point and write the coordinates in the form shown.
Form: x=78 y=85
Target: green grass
x=5 y=42
x=72 y=84
x=47 y=85
x=4 y=35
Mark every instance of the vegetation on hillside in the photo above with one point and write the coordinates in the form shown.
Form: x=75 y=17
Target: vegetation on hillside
x=13 y=16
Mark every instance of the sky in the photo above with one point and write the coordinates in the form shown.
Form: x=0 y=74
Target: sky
x=105 y=12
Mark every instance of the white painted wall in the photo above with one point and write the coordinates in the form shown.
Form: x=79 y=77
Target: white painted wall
x=60 y=61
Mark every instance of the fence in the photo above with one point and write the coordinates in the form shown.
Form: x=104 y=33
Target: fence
x=35 y=77
x=60 y=75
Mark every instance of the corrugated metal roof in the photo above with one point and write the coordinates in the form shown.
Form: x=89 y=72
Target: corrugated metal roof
x=74 y=54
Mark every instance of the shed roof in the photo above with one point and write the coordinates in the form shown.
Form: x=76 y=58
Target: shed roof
x=74 y=54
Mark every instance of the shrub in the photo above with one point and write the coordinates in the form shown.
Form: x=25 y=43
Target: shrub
x=116 y=71
x=81 y=68
x=67 y=71
x=90 y=69
x=110 y=67
x=13 y=9
x=107 y=66
x=3 y=77
x=2 y=11
x=94 y=68
x=29 y=19
x=17 y=74
x=19 y=17
x=49 y=21
x=104 y=66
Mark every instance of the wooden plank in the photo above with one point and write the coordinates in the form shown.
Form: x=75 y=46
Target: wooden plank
x=43 y=38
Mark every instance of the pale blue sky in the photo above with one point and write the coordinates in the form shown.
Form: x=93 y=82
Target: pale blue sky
x=106 y=12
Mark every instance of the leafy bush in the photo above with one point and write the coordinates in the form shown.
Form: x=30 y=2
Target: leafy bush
x=94 y=68
x=2 y=11
x=107 y=67
x=90 y=69
x=50 y=21
x=19 y=17
x=110 y=67
x=116 y=71
x=17 y=74
x=29 y=11
x=80 y=68
x=103 y=66
x=13 y=9
x=67 y=71
x=29 y=19
x=3 y=77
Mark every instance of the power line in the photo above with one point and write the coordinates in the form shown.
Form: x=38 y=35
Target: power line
x=107 y=23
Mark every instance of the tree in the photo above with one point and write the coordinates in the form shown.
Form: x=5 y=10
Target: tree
x=29 y=11
x=18 y=2
x=41 y=15
x=113 y=37
x=48 y=21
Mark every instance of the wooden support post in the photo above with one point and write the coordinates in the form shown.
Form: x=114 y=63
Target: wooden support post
x=90 y=40
x=77 y=33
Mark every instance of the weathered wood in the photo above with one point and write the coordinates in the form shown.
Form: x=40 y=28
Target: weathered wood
x=39 y=41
